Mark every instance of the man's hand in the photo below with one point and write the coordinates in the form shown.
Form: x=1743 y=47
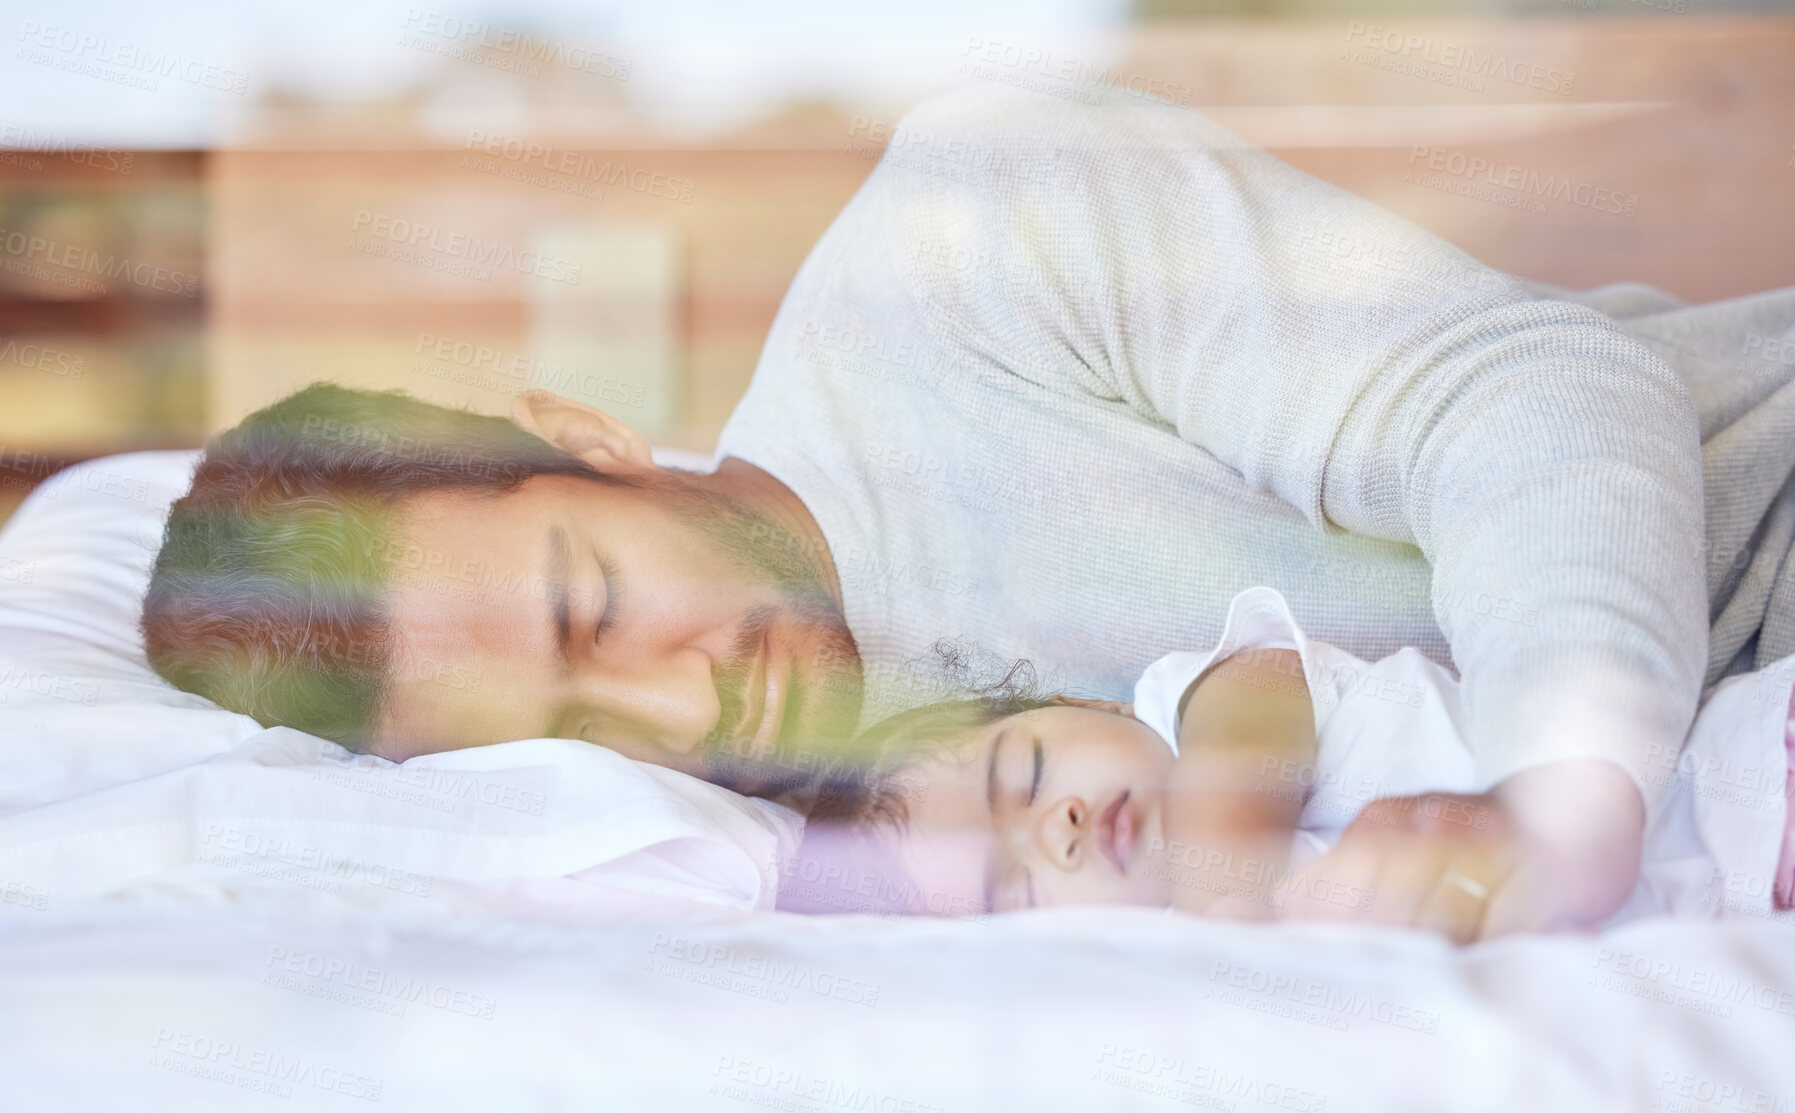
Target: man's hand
x=1550 y=848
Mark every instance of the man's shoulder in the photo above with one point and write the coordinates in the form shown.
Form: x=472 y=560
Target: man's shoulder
x=978 y=105
x=993 y=105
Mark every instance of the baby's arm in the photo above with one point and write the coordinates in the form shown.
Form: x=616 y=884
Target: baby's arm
x=1229 y=811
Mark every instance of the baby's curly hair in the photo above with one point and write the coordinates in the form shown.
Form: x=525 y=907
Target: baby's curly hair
x=844 y=862
x=975 y=692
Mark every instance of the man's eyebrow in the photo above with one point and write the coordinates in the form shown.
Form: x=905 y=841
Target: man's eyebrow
x=557 y=559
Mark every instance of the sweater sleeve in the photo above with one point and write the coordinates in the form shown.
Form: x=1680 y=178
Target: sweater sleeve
x=1368 y=373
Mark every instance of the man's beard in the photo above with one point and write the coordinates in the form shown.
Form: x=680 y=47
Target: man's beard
x=826 y=697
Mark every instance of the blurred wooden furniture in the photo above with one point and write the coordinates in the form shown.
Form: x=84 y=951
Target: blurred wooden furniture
x=102 y=306
x=438 y=244
x=1577 y=151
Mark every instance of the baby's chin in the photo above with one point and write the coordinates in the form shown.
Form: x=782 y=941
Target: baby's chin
x=1153 y=890
x=1151 y=878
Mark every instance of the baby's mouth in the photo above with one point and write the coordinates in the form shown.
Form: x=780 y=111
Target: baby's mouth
x=1115 y=832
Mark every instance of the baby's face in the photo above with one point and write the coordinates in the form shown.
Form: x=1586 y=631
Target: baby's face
x=1049 y=807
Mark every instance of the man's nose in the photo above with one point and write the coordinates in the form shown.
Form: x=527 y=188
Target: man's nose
x=668 y=700
x=1061 y=832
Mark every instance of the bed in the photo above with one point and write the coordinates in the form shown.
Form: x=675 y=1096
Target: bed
x=196 y=914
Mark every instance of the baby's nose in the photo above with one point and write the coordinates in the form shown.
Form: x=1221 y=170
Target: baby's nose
x=1061 y=833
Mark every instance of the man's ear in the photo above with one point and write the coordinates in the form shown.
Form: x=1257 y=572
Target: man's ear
x=580 y=430
x=1114 y=707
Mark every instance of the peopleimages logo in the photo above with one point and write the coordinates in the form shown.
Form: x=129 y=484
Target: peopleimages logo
x=281 y=859
x=26 y=896
x=950 y=155
x=741 y=971
x=1779 y=350
x=376 y=988
x=122 y=63
x=1528 y=183
x=22 y=139
x=1204 y=1085
x=41 y=358
x=470 y=249
x=1467 y=61
x=17 y=678
x=1073 y=72
x=565 y=164
x=771 y=1086
x=257 y=1069
x=463 y=38
x=33 y=254
x=464 y=361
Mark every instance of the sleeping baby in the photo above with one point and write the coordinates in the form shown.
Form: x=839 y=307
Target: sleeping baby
x=1234 y=768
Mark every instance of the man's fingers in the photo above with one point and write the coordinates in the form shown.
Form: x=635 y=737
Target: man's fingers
x=1516 y=905
x=1341 y=885
x=1454 y=907
x=1432 y=862
x=1410 y=875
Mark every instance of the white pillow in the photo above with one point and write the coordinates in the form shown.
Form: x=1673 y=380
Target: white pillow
x=110 y=779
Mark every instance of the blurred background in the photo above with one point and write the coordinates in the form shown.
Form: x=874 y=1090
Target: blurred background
x=206 y=206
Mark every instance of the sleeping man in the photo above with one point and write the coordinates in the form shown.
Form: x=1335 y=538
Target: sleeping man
x=1064 y=388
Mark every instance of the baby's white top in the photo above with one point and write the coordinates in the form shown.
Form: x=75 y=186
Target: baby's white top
x=1395 y=728
x=1389 y=729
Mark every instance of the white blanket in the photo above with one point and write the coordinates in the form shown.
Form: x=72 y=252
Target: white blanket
x=1100 y=1010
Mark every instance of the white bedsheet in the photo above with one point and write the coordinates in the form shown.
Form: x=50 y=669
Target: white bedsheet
x=547 y=827
x=1096 y=1010
x=197 y=914
x=114 y=786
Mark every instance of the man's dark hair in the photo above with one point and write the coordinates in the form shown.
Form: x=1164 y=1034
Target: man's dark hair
x=269 y=594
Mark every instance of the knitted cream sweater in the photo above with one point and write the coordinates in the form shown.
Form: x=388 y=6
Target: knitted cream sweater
x=1063 y=378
